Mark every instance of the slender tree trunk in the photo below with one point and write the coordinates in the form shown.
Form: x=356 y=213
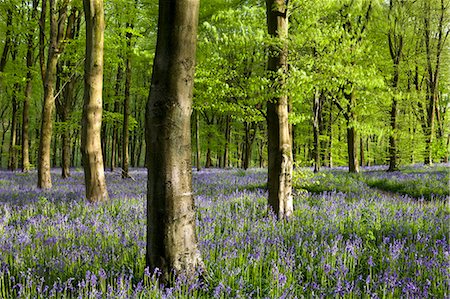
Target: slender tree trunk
x=14 y=118
x=279 y=143
x=226 y=148
x=395 y=48
x=316 y=130
x=352 y=149
x=361 y=151
x=330 y=136
x=12 y=162
x=115 y=129
x=54 y=50
x=91 y=147
x=4 y=130
x=7 y=45
x=126 y=109
x=171 y=233
x=440 y=35
x=197 y=141
x=28 y=90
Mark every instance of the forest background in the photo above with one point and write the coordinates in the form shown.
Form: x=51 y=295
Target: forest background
x=371 y=76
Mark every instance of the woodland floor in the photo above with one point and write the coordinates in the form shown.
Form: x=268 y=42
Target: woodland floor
x=370 y=235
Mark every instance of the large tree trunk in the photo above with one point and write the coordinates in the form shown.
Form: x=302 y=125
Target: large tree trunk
x=49 y=75
x=279 y=144
x=91 y=147
x=171 y=233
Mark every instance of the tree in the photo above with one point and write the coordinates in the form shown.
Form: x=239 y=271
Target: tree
x=395 y=39
x=91 y=150
x=57 y=21
x=435 y=38
x=28 y=88
x=171 y=233
x=279 y=143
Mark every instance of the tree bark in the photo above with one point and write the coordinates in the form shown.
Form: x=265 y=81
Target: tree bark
x=352 y=149
x=28 y=90
x=49 y=75
x=316 y=129
x=7 y=45
x=279 y=144
x=115 y=129
x=171 y=234
x=12 y=162
x=91 y=147
x=226 y=149
x=197 y=141
x=433 y=70
x=126 y=108
x=395 y=48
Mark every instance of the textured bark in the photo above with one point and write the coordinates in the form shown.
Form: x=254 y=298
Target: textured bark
x=171 y=234
x=91 y=147
x=250 y=134
x=49 y=75
x=279 y=144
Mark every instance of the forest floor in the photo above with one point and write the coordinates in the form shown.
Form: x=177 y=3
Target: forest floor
x=368 y=235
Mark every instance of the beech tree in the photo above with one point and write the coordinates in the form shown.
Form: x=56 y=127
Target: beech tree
x=91 y=149
x=171 y=234
x=279 y=143
x=58 y=14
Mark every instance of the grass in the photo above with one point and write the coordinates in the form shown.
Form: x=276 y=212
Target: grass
x=352 y=244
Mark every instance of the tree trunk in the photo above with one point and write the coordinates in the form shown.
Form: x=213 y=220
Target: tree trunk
x=330 y=136
x=250 y=133
x=49 y=75
x=395 y=48
x=352 y=149
x=28 y=90
x=7 y=45
x=91 y=148
x=126 y=109
x=361 y=151
x=197 y=141
x=12 y=162
x=316 y=129
x=226 y=148
x=279 y=144
x=439 y=35
x=171 y=233
x=115 y=129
